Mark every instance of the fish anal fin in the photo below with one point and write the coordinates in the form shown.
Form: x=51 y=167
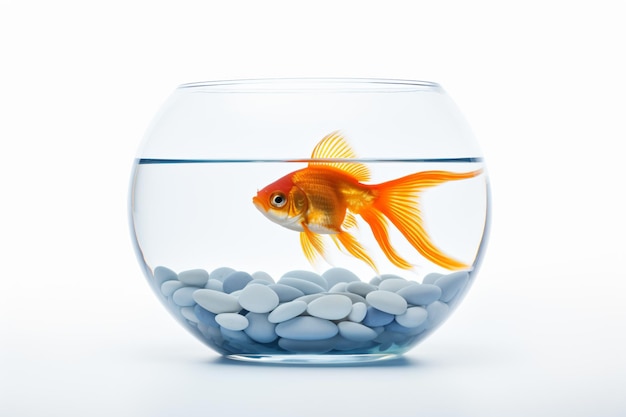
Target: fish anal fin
x=334 y=148
x=354 y=248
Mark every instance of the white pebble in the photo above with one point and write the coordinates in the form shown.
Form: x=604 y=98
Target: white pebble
x=307 y=328
x=339 y=287
x=437 y=313
x=431 y=278
x=168 y=287
x=360 y=288
x=388 y=302
x=215 y=284
x=260 y=328
x=330 y=307
x=285 y=292
x=194 y=277
x=189 y=314
x=451 y=284
x=221 y=273
x=307 y=276
x=263 y=276
x=336 y=275
x=413 y=317
x=162 y=274
x=216 y=302
x=232 y=321
x=423 y=294
x=184 y=296
x=287 y=311
x=393 y=284
x=359 y=310
x=356 y=331
x=307 y=287
x=258 y=298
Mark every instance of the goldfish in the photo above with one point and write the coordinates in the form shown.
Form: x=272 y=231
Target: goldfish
x=325 y=197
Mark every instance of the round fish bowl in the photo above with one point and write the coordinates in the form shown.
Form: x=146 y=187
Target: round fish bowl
x=310 y=220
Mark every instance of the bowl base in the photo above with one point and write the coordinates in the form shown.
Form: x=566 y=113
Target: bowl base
x=312 y=359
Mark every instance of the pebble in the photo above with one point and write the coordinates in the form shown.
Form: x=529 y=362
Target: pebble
x=330 y=307
x=287 y=311
x=204 y=316
x=421 y=294
x=162 y=274
x=437 y=313
x=308 y=276
x=307 y=287
x=260 y=281
x=375 y=281
x=260 y=275
x=307 y=346
x=356 y=331
x=308 y=298
x=386 y=301
x=184 y=296
x=360 y=288
x=194 y=277
x=307 y=328
x=339 y=287
x=215 y=284
x=221 y=273
x=236 y=281
x=285 y=292
x=232 y=321
x=451 y=284
x=305 y=312
x=189 y=314
x=375 y=317
x=168 y=287
x=393 y=284
x=357 y=314
x=336 y=275
x=216 y=302
x=260 y=328
x=431 y=278
x=258 y=298
x=413 y=317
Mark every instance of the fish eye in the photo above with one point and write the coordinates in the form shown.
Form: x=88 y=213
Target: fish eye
x=278 y=200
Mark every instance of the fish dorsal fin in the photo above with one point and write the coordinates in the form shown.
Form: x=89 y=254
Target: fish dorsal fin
x=334 y=146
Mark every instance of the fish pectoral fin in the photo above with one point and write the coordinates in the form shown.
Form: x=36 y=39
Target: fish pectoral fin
x=354 y=248
x=378 y=224
x=312 y=244
x=349 y=221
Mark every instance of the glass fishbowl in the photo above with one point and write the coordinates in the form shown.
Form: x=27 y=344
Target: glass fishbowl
x=310 y=220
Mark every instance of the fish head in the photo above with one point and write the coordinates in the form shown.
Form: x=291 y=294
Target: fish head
x=283 y=203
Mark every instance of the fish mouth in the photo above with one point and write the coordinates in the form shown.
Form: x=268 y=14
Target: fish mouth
x=259 y=203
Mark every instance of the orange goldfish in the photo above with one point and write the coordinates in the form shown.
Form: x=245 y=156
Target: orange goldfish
x=325 y=197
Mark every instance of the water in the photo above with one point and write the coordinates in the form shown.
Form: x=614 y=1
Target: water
x=198 y=215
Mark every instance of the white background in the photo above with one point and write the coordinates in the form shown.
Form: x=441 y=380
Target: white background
x=542 y=84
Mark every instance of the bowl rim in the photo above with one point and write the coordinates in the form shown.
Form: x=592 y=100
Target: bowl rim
x=311 y=84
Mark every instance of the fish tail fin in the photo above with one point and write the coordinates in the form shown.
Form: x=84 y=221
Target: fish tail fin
x=354 y=248
x=397 y=201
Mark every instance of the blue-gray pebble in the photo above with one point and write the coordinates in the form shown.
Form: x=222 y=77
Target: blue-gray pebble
x=236 y=281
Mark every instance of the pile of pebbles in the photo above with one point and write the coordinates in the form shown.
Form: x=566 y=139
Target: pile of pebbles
x=240 y=313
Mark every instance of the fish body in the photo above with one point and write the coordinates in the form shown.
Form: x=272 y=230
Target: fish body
x=325 y=197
